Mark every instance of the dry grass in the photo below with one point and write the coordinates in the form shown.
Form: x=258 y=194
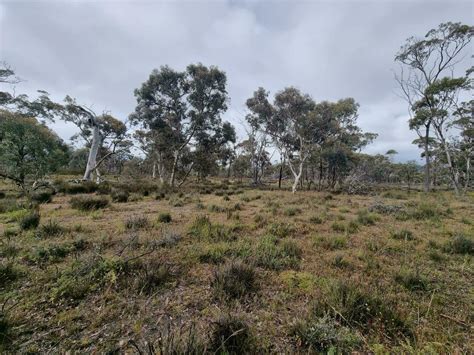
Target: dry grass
x=412 y=264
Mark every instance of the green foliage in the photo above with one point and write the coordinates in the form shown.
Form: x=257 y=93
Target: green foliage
x=412 y=281
x=326 y=335
x=137 y=222
x=460 y=244
x=203 y=228
x=292 y=211
x=231 y=335
x=164 y=217
x=89 y=203
x=8 y=274
x=365 y=218
x=120 y=196
x=234 y=279
x=42 y=197
x=28 y=149
x=273 y=254
x=280 y=229
x=50 y=229
x=316 y=220
x=403 y=234
x=30 y=221
x=74 y=188
x=331 y=242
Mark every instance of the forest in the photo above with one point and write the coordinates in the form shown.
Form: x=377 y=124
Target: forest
x=173 y=230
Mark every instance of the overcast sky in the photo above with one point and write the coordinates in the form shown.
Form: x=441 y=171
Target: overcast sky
x=100 y=51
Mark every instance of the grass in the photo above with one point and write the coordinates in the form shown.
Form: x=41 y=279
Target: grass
x=30 y=221
x=253 y=278
x=89 y=203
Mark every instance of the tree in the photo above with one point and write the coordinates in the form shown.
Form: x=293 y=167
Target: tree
x=98 y=131
x=427 y=60
x=179 y=106
x=28 y=150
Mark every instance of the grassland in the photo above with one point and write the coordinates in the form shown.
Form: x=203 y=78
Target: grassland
x=224 y=268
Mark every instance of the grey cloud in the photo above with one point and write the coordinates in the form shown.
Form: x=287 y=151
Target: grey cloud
x=100 y=51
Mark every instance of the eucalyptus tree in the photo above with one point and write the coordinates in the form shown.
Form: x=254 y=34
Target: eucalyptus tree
x=179 y=106
x=424 y=61
x=28 y=150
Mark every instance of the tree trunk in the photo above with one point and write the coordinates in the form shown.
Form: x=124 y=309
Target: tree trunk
x=173 y=169
x=94 y=150
x=427 y=160
x=153 y=173
x=280 y=175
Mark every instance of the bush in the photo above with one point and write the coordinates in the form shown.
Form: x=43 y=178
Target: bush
x=42 y=197
x=338 y=227
x=89 y=203
x=292 y=211
x=120 y=196
x=403 y=234
x=316 y=220
x=460 y=244
x=365 y=218
x=30 y=221
x=149 y=276
x=164 y=217
x=234 y=280
x=231 y=335
x=280 y=230
x=50 y=229
x=136 y=222
x=331 y=242
x=412 y=281
x=274 y=255
x=8 y=274
x=325 y=335
x=77 y=188
x=2 y=195
x=202 y=228
x=9 y=205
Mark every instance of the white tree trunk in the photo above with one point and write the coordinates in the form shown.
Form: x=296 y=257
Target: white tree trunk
x=94 y=150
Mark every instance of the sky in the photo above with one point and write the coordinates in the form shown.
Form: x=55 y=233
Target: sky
x=100 y=51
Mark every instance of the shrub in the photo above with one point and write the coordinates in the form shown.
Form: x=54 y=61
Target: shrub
x=365 y=218
x=274 y=255
x=292 y=211
x=164 y=217
x=412 y=281
x=182 y=341
x=42 y=197
x=30 y=221
x=148 y=276
x=77 y=188
x=355 y=308
x=403 y=234
x=2 y=195
x=331 y=242
x=136 y=222
x=120 y=196
x=280 y=230
x=338 y=227
x=203 y=228
x=460 y=244
x=8 y=274
x=89 y=203
x=160 y=196
x=326 y=335
x=230 y=335
x=9 y=205
x=234 y=280
x=50 y=229
x=215 y=208
x=316 y=220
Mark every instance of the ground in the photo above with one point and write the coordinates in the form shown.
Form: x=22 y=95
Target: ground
x=274 y=271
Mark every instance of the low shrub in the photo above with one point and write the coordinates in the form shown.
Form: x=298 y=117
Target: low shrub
x=326 y=335
x=412 y=281
x=331 y=242
x=273 y=254
x=137 y=222
x=460 y=244
x=77 y=188
x=50 y=229
x=316 y=220
x=30 y=221
x=42 y=197
x=292 y=211
x=403 y=234
x=234 y=280
x=164 y=217
x=231 y=335
x=203 y=228
x=89 y=203
x=280 y=230
x=8 y=274
x=365 y=218
x=148 y=276
x=120 y=196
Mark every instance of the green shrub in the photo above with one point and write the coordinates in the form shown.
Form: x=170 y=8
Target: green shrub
x=292 y=211
x=412 y=281
x=403 y=234
x=325 y=335
x=230 y=335
x=8 y=274
x=148 y=276
x=136 y=222
x=365 y=218
x=77 y=188
x=42 y=197
x=460 y=244
x=234 y=280
x=316 y=220
x=120 y=196
x=9 y=205
x=88 y=203
x=30 y=221
x=338 y=227
x=280 y=229
x=215 y=208
x=50 y=229
x=202 y=228
x=274 y=255
x=2 y=195
x=331 y=242
x=164 y=217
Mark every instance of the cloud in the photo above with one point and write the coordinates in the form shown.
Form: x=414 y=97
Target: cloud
x=100 y=51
